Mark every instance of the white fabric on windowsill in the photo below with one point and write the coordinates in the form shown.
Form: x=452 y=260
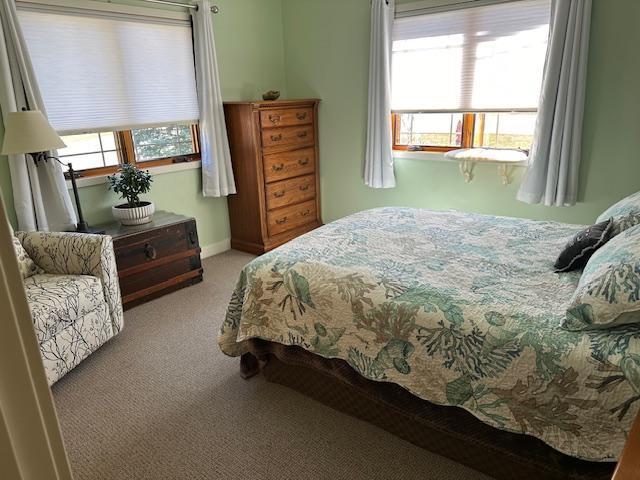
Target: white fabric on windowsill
x=490 y=155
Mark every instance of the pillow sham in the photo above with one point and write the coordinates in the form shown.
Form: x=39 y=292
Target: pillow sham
x=578 y=250
x=608 y=293
x=625 y=213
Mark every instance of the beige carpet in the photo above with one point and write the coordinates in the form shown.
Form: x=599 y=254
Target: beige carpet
x=161 y=402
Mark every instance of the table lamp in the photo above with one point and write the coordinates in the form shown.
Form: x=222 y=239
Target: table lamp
x=29 y=132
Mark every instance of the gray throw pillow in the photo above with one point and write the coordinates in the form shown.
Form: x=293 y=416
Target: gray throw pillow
x=578 y=251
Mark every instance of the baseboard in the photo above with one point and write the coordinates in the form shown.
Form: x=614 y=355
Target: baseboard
x=215 y=248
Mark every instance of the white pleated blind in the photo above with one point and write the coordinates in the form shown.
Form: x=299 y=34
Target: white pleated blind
x=485 y=58
x=105 y=72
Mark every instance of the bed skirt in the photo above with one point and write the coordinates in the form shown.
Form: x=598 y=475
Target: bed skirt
x=447 y=431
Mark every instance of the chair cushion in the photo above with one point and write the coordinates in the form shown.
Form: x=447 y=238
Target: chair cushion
x=25 y=264
x=57 y=301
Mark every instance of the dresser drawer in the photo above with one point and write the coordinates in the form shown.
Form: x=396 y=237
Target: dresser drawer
x=288 y=192
x=286 y=117
x=153 y=245
x=279 y=166
x=287 y=218
x=275 y=137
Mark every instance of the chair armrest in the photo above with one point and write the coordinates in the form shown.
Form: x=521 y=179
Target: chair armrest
x=64 y=253
x=629 y=465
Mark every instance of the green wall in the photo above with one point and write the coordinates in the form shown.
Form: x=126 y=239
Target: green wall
x=249 y=45
x=319 y=48
x=326 y=56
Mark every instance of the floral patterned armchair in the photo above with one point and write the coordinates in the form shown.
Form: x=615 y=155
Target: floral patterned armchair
x=74 y=296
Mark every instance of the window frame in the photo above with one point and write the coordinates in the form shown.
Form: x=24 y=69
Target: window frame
x=468 y=131
x=125 y=149
x=472 y=123
x=470 y=120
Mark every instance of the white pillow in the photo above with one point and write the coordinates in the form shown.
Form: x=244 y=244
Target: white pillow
x=625 y=213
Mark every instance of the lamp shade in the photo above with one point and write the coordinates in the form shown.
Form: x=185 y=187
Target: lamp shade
x=29 y=132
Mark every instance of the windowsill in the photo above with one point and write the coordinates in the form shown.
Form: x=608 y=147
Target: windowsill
x=439 y=157
x=506 y=168
x=420 y=155
x=160 y=170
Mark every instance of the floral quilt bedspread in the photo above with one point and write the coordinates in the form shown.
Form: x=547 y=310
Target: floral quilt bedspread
x=460 y=309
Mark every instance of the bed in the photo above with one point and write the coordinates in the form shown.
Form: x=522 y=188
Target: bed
x=453 y=310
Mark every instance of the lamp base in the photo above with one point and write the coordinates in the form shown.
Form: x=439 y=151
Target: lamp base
x=83 y=227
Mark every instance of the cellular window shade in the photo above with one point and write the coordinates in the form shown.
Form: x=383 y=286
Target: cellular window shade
x=485 y=58
x=106 y=72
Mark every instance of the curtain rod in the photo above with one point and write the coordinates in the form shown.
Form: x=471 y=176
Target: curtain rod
x=214 y=9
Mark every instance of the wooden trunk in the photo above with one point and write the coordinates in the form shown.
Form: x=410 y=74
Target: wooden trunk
x=155 y=258
x=274 y=150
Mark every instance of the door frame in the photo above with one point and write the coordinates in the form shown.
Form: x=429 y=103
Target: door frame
x=31 y=445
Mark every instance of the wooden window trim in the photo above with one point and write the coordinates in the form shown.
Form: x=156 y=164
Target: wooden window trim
x=468 y=131
x=126 y=154
x=479 y=129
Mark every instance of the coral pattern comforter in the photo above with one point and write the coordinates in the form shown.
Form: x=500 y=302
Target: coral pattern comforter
x=459 y=309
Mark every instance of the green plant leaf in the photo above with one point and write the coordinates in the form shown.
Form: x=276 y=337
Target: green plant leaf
x=130 y=182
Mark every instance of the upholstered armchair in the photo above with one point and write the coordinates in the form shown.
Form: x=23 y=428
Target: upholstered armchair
x=73 y=294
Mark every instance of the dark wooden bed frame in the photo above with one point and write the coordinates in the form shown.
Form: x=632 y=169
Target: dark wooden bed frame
x=447 y=431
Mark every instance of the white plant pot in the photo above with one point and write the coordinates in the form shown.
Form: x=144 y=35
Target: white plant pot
x=133 y=216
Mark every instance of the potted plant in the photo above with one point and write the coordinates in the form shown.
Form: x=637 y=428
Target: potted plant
x=131 y=182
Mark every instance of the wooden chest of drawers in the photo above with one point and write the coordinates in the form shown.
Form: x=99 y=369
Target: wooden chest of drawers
x=155 y=258
x=274 y=151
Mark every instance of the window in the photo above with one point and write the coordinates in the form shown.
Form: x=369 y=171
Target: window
x=469 y=77
x=504 y=130
x=444 y=132
x=431 y=131
x=162 y=142
x=90 y=150
x=118 y=87
x=101 y=153
x=437 y=129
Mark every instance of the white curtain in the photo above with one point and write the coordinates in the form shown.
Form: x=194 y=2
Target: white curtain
x=40 y=193
x=217 y=173
x=378 y=166
x=554 y=163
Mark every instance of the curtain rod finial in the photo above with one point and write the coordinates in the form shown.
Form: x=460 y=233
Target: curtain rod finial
x=214 y=9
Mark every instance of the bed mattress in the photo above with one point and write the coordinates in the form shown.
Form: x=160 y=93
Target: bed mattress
x=458 y=309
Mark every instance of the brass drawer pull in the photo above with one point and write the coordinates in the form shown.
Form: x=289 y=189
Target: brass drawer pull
x=303 y=161
x=304 y=188
x=282 y=220
x=302 y=134
x=306 y=212
x=277 y=168
x=274 y=118
x=149 y=251
x=276 y=138
x=301 y=116
x=278 y=194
